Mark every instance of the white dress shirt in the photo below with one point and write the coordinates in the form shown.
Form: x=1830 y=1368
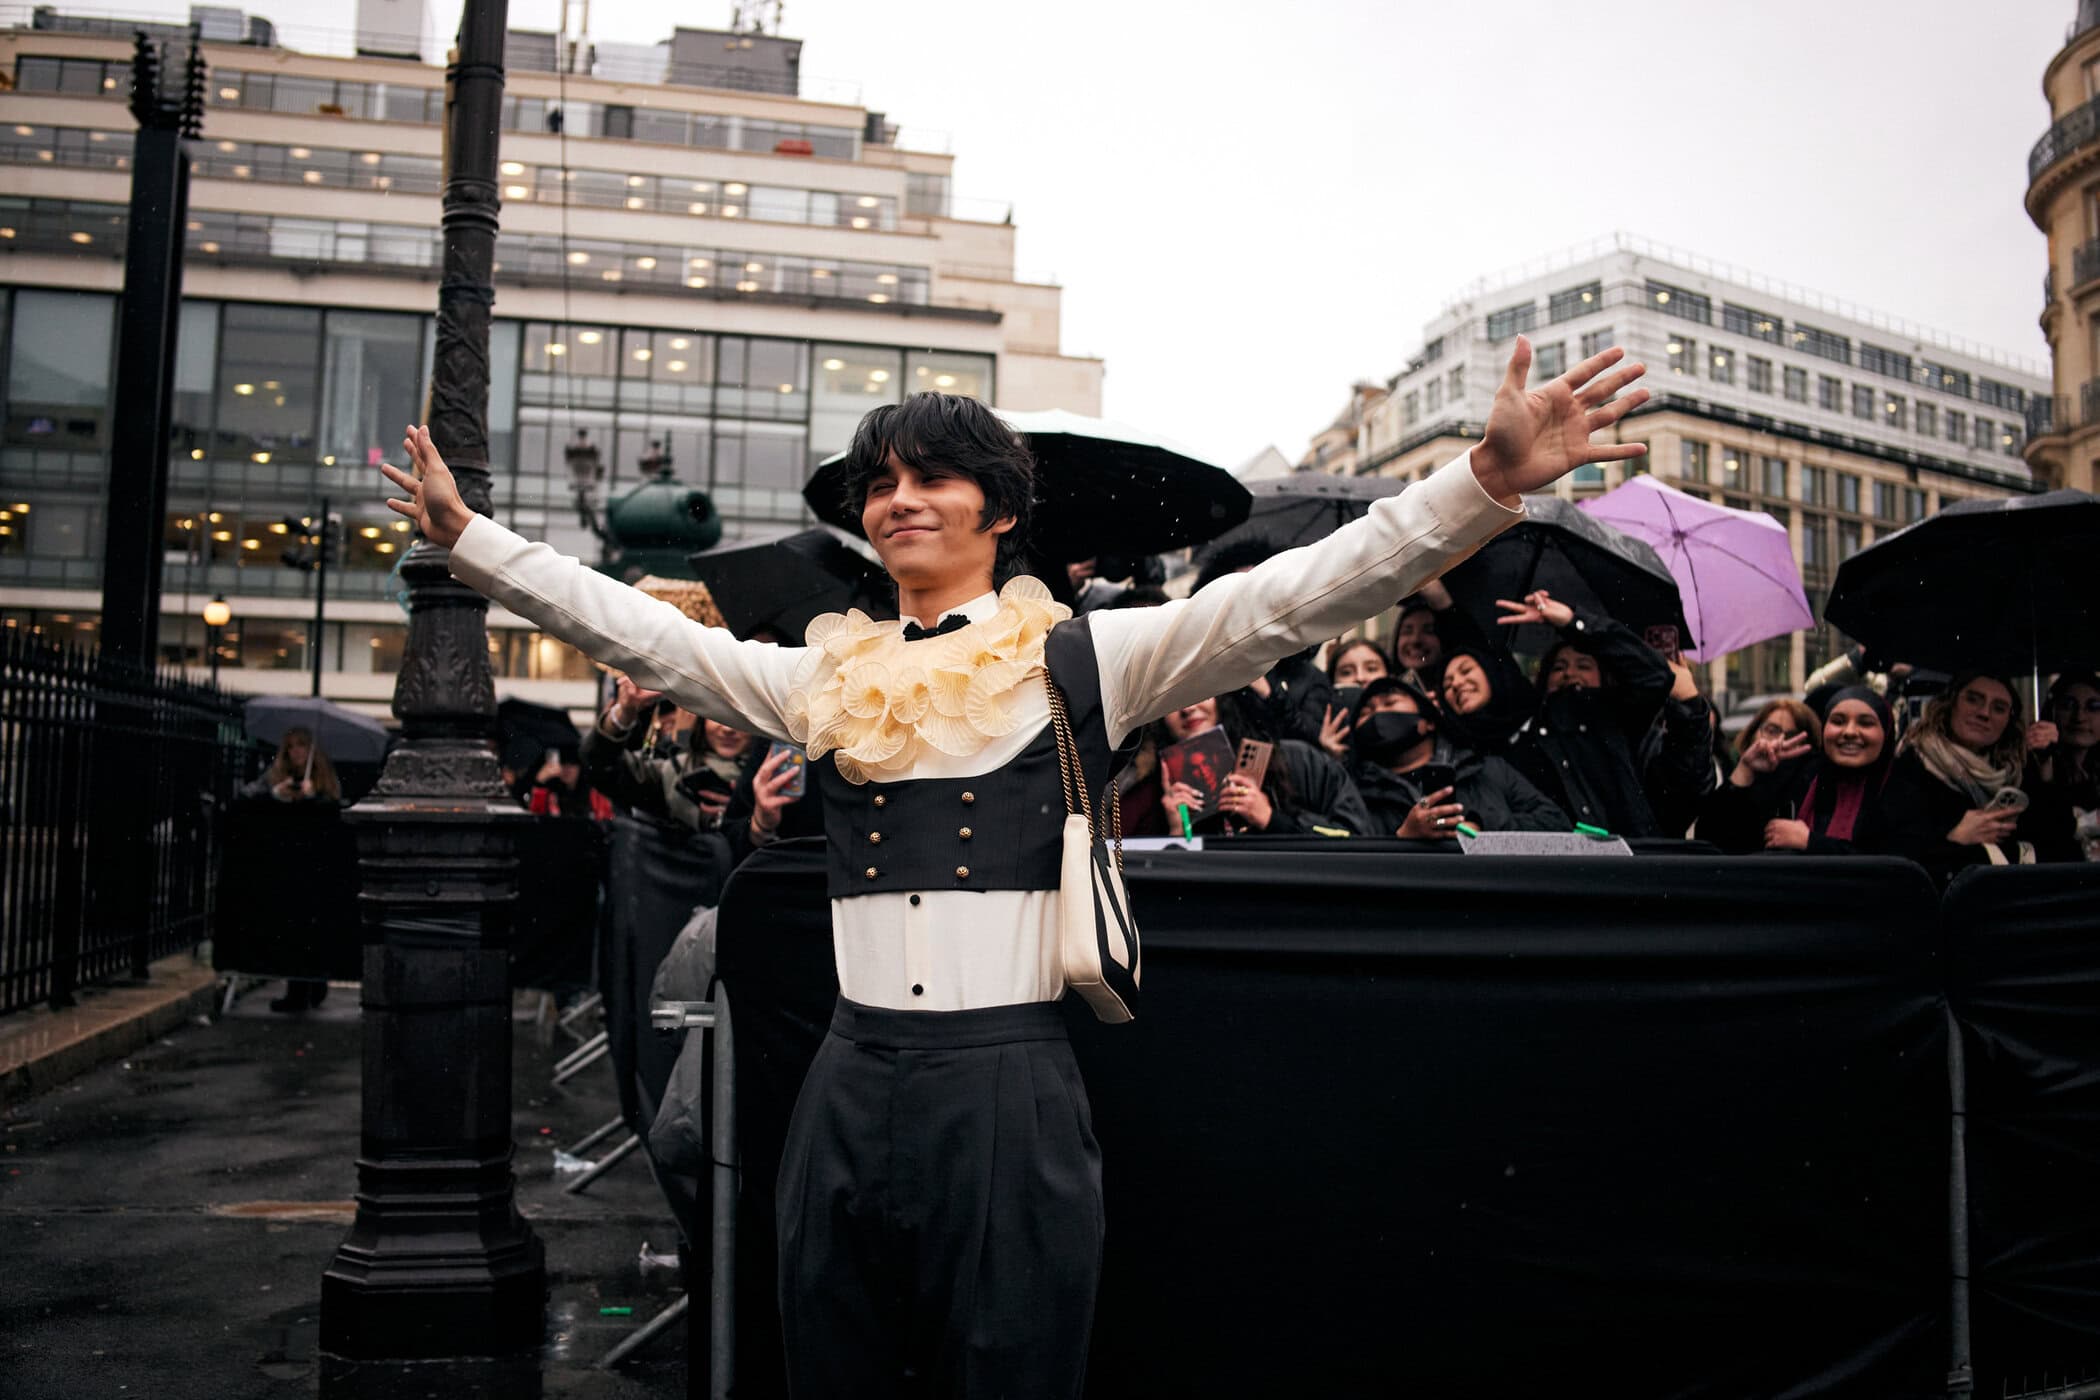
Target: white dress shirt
x=951 y=950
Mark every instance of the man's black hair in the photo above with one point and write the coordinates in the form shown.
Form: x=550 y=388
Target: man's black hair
x=959 y=434
x=1233 y=556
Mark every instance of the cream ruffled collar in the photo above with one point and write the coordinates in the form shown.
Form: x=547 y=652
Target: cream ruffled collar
x=876 y=702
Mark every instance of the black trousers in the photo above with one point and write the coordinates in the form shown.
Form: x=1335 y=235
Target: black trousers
x=939 y=1209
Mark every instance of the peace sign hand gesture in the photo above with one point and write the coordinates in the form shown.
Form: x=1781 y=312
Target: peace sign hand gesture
x=1536 y=436
x=434 y=501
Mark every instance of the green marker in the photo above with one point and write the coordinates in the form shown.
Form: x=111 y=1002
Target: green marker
x=1597 y=831
x=1467 y=829
x=1188 y=832
x=616 y=1312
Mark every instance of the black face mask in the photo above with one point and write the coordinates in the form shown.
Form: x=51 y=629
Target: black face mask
x=1383 y=737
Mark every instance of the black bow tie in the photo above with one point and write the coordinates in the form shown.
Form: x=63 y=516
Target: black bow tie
x=913 y=632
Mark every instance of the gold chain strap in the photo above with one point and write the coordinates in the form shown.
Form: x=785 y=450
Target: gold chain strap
x=1074 y=773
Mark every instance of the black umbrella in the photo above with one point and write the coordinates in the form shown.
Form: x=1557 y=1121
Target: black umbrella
x=1306 y=506
x=1101 y=488
x=1577 y=558
x=2000 y=584
x=782 y=583
x=520 y=723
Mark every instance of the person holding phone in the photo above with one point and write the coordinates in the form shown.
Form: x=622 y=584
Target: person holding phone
x=976 y=1271
x=1954 y=798
x=1420 y=786
x=1302 y=792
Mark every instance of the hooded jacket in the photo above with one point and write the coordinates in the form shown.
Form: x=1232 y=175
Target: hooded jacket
x=1495 y=795
x=1582 y=747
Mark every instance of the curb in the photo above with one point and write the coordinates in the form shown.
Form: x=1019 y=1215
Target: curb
x=41 y=1049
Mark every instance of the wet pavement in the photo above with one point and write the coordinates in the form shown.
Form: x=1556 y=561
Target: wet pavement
x=164 y=1220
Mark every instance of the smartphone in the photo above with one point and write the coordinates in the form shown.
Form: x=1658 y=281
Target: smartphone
x=799 y=762
x=2008 y=799
x=1253 y=762
x=1433 y=778
x=1346 y=699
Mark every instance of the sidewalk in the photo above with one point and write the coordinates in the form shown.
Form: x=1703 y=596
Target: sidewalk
x=165 y=1218
x=41 y=1048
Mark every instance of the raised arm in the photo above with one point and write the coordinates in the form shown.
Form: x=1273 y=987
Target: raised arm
x=1154 y=660
x=704 y=669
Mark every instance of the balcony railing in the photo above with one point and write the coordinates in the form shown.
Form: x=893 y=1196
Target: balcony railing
x=2085 y=262
x=2088 y=404
x=2078 y=127
x=2043 y=416
x=2048 y=289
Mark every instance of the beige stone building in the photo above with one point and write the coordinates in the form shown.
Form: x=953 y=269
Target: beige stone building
x=1843 y=423
x=693 y=253
x=1333 y=448
x=2063 y=199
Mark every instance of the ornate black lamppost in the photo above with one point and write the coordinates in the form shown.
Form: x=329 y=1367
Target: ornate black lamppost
x=439 y=1265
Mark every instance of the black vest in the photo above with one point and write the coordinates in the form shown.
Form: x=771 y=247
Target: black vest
x=1001 y=830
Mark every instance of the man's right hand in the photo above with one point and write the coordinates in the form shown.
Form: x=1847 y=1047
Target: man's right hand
x=434 y=501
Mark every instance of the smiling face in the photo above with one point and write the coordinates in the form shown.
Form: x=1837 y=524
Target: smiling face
x=1466 y=685
x=1360 y=663
x=1416 y=644
x=926 y=524
x=1572 y=667
x=1981 y=711
x=2076 y=710
x=1852 y=735
x=1192 y=718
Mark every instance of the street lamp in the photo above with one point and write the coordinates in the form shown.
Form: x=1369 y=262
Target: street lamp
x=216 y=615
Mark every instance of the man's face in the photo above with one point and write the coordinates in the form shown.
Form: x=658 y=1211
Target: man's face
x=924 y=524
x=1572 y=667
x=1416 y=642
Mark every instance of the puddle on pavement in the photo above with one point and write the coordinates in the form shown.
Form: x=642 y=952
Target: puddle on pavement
x=325 y=1212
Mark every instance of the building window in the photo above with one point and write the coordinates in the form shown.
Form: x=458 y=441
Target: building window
x=1455 y=383
x=1815 y=486
x=1760 y=375
x=1796 y=385
x=1575 y=301
x=1957 y=425
x=1998 y=395
x=1830 y=393
x=1880 y=361
x=1720 y=366
x=759 y=378
x=1684 y=355
x=850 y=380
x=1863 y=402
x=1848 y=493
x=196 y=353
x=268 y=382
x=1884 y=500
x=1849 y=535
x=372 y=384
x=1759 y=325
x=1642 y=465
x=1550 y=363
x=1410 y=408
x=1512 y=320
x=1676 y=301
x=1694 y=461
x=1927 y=421
x=1811 y=341
x=1433 y=351
x=1913 y=505
x=1433 y=396
x=1985 y=430
x=1732 y=465
x=58 y=373
x=1595 y=341
x=1815 y=543
x=1775 y=477
x=1892 y=410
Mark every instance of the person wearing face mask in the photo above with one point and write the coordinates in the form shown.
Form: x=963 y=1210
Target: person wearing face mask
x=1944 y=800
x=1601 y=687
x=1304 y=792
x=1351 y=666
x=1808 y=785
x=1397 y=740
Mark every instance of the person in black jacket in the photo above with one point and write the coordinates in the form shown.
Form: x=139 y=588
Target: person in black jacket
x=1602 y=687
x=1397 y=742
x=1304 y=792
x=1943 y=798
x=1677 y=756
x=1808 y=785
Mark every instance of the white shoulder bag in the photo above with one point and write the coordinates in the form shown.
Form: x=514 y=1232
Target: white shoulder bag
x=1098 y=938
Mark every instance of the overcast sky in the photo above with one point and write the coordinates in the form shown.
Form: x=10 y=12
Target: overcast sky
x=1250 y=206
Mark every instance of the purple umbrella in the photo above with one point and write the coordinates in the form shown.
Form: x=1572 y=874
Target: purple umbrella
x=1734 y=568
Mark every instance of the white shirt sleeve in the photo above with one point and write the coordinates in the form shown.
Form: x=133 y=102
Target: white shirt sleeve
x=1155 y=660
x=704 y=669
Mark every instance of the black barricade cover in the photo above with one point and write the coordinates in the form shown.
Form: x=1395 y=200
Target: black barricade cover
x=559 y=862
x=773 y=953
x=2024 y=975
x=656 y=873
x=1465 y=1125
x=287 y=894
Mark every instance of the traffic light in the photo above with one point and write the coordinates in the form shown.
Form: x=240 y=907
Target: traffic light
x=313 y=545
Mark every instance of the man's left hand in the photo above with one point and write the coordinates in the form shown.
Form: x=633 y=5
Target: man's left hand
x=1536 y=436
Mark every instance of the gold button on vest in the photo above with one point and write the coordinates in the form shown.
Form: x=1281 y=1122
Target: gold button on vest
x=962 y=872
x=871 y=872
x=964 y=833
x=881 y=801
x=968 y=798
x=875 y=838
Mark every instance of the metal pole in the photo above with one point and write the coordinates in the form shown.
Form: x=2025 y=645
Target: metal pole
x=439 y=1264
x=1961 y=1374
x=321 y=542
x=721 y=1264
x=213 y=640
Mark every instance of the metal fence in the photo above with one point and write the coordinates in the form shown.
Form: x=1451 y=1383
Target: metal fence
x=112 y=785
